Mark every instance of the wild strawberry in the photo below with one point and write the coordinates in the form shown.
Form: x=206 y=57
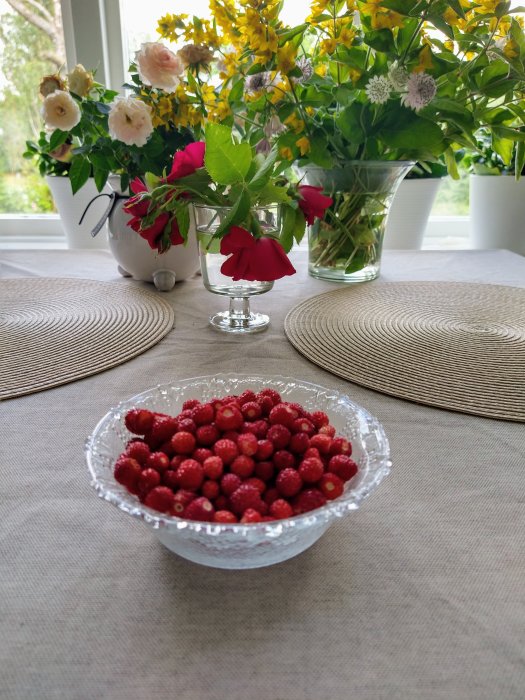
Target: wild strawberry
x=226 y=450
x=201 y=454
x=264 y=470
x=243 y=466
x=284 y=460
x=190 y=404
x=319 y=419
x=216 y=403
x=190 y=474
x=221 y=502
x=231 y=401
x=331 y=486
x=327 y=430
x=230 y=483
x=183 y=443
x=176 y=461
x=185 y=414
x=259 y=428
x=127 y=471
x=299 y=443
x=213 y=467
x=258 y=483
x=245 y=497
x=270 y=496
x=167 y=449
x=187 y=425
x=181 y=500
x=303 y=425
x=229 y=417
x=147 y=480
x=138 y=450
x=207 y=434
x=282 y=415
x=247 y=444
x=224 y=516
x=199 y=509
x=322 y=442
x=203 y=414
x=280 y=509
x=308 y=500
x=139 y=420
x=265 y=449
x=210 y=489
x=274 y=395
x=251 y=515
x=251 y=410
x=160 y=498
x=311 y=470
x=312 y=452
x=162 y=429
x=279 y=435
x=169 y=479
x=296 y=407
x=341 y=446
x=344 y=467
x=288 y=482
x=246 y=397
x=158 y=461
x=232 y=435
x=266 y=404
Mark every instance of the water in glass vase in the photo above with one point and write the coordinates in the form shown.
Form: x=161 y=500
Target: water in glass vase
x=238 y=318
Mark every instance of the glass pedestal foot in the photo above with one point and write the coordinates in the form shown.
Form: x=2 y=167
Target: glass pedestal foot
x=239 y=318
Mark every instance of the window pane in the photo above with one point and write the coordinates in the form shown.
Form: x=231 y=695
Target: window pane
x=27 y=53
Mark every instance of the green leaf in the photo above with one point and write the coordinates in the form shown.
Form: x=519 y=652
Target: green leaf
x=264 y=172
x=58 y=138
x=183 y=221
x=504 y=147
x=100 y=177
x=350 y=123
x=382 y=40
x=79 y=173
x=452 y=166
x=272 y=194
x=287 y=230
x=227 y=163
x=411 y=132
x=520 y=158
x=237 y=215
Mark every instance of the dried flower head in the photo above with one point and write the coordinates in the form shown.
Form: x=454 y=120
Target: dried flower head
x=194 y=55
x=257 y=82
x=51 y=83
x=80 y=80
x=307 y=70
x=420 y=91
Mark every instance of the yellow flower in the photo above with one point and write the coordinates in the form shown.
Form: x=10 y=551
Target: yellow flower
x=511 y=49
x=167 y=26
x=295 y=123
x=304 y=145
x=425 y=60
x=286 y=153
x=327 y=46
x=286 y=58
x=347 y=36
x=220 y=112
x=321 y=70
x=354 y=74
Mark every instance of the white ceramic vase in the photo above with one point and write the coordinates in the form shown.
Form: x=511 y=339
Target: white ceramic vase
x=409 y=212
x=136 y=259
x=71 y=207
x=497 y=212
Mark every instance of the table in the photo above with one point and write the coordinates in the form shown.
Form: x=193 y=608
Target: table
x=418 y=595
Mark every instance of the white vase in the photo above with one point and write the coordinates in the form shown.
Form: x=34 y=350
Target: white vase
x=497 y=212
x=71 y=207
x=409 y=212
x=136 y=259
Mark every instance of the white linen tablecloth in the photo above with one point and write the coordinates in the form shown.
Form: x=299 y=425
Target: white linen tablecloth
x=419 y=595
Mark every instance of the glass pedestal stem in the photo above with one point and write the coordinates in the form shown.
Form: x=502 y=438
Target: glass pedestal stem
x=239 y=318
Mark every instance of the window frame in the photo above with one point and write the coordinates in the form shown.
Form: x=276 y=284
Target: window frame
x=87 y=28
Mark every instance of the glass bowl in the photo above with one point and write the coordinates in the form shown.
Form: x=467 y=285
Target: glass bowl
x=237 y=546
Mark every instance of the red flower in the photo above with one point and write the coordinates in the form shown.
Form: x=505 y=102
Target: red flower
x=153 y=233
x=137 y=186
x=313 y=203
x=253 y=259
x=137 y=205
x=186 y=162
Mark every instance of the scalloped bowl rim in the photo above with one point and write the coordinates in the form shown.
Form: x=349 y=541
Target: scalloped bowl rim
x=128 y=503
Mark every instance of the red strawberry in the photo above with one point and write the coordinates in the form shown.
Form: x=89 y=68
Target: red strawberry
x=311 y=470
x=224 y=516
x=229 y=417
x=344 y=467
x=243 y=466
x=138 y=450
x=247 y=444
x=280 y=509
x=251 y=410
x=139 y=420
x=158 y=461
x=245 y=497
x=308 y=500
x=279 y=435
x=226 y=449
x=251 y=515
x=160 y=498
x=331 y=486
x=203 y=414
x=288 y=482
x=183 y=443
x=127 y=471
x=190 y=474
x=213 y=467
x=181 y=500
x=199 y=509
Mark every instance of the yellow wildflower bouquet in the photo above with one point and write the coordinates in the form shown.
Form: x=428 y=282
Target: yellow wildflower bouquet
x=377 y=80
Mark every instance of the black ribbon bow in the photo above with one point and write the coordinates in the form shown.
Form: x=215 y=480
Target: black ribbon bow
x=114 y=198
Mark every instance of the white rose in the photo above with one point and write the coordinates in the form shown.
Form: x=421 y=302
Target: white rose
x=158 y=66
x=130 y=121
x=80 y=80
x=60 y=111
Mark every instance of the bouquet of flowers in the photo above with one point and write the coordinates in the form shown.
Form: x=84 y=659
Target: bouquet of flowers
x=231 y=179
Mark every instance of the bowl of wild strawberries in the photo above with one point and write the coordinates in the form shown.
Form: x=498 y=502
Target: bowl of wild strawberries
x=238 y=471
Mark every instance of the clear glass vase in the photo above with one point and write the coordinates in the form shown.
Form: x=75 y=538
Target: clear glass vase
x=346 y=245
x=238 y=318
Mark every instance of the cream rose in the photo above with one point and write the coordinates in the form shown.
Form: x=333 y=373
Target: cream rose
x=130 y=121
x=80 y=80
x=60 y=111
x=158 y=66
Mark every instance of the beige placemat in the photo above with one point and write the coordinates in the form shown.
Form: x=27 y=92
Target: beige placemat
x=453 y=345
x=53 y=331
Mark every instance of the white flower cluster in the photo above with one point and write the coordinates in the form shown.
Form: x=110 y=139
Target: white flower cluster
x=417 y=89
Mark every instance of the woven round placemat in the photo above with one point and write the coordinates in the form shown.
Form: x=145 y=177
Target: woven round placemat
x=53 y=331
x=457 y=346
